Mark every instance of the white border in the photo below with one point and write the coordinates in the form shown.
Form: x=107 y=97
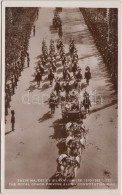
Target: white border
x=87 y=4
x=78 y=3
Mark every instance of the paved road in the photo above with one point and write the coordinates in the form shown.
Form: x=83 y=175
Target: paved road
x=31 y=150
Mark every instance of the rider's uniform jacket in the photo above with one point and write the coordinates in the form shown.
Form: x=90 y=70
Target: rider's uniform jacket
x=68 y=126
x=68 y=139
x=79 y=75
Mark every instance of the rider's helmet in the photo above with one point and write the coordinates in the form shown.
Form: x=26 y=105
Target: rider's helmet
x=51 y=41
x=71 y=40
x=86 y=93
x=52 y=93
x=43 y=42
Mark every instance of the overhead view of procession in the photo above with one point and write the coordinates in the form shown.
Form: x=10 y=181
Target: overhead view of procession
x=61 y=85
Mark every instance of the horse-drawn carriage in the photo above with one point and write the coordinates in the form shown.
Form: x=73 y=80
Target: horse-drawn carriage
x=71 y=111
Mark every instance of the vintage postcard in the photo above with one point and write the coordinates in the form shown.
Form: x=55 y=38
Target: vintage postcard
x=60 y=97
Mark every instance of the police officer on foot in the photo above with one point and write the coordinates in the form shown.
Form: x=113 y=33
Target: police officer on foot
x=12 y=119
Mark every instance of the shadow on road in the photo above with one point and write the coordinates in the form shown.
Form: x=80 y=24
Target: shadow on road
x=39 y=56
x=33 y=81
x=32 y=88
x=59 y=129
x=45 y=72
x=56 y=182
x=83 y=86
x=87 y=56
x=77 y=36
x=103 y=107
x=45 y=79
x=52 y=29
x=62 y=149
x=45 y=86
x=8 y=132
x=44 y=117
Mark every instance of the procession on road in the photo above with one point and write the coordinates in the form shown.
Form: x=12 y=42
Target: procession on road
x=64 y=58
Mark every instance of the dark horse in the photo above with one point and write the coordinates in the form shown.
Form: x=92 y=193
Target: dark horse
x=86 y=104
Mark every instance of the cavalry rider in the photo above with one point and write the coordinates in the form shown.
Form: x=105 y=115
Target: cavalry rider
x=51 y=76
x=79 y=75
x=52 y=47
x=43 y=44
x=59 y=44
x=71 y=47
x=57 y=87
x=67 y=88
x=52 y=103
x=66 y=73
x=45 y=54
x=80 y=142
x=63 y=59
x=75 y=105
x=43 y=61
x=44 y=47
x=68 y=140
x=73 y=96
x=51 y=41
x=75 y=55
x=78 y=146
x=86 y=94
x=86 y=102
x=53 y=63
x=38 y=78
x=74 y=67
x=70 y=145
x=78 y=78
x=41 y=68
x=81 y=125
x=68 y=165
x=68 y=127
x=52 y=56
x=75 y=164
x=52 y=94
x=68 y=106
x=62 y=165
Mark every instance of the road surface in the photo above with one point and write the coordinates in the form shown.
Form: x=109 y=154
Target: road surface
x=31 y=150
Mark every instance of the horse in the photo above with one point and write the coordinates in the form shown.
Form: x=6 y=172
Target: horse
x=86 y=104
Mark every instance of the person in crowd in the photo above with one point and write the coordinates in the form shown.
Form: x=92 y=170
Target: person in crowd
x=28 y=59
x=12 y=86
x=34 y=30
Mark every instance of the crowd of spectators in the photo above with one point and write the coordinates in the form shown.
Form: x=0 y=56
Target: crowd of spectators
x=18 y=25
x=104 y=29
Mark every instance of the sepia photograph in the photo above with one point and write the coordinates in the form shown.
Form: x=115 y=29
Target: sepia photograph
x=60 y=94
